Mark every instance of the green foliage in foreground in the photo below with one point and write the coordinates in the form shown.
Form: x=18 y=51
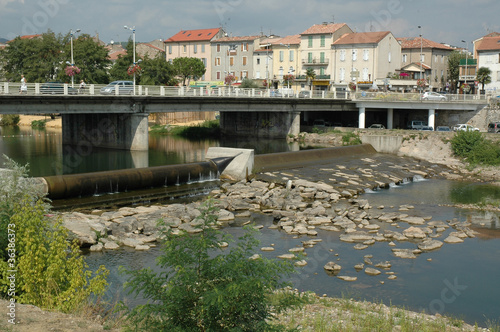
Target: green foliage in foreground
x=351 y=138
x=475 y=149
x=202 y=288
x=10 y=120
x=49 y=271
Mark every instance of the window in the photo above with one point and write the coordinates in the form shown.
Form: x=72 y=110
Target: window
x=244 y=74
x=389 y=57
x=405 y=58
x=184 y=48
x=218 y=75
x=309 y=57
x=366 y=55
x=244 y=61
x=203 y=48
x=169 y=49
x=258 y=61
x=323 y=41
x=217 y=61
x=342 y=55
x=436 y=58
x=291 y=56
x=218 y=47
x=422 y=58
x=498 y=76
x=365 y=74
x=354 y=55
x=257 y=74
x=282 y=56
x=322 y=57
x=195 y=49
x=244 y=47
x=342 y=74
x=204 y=60
x=310 y=41
x=231 y=60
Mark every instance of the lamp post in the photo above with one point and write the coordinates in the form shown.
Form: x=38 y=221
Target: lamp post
x=420 y=60
x=466 y=51
x=133 y=47
x=72 y=60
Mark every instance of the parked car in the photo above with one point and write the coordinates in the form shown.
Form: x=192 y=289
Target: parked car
x=464 y=127
x=443 y=128
x=305 y=94
x=319 y=123
x=56 y=88
x=416 y=125
x=494 y=127
x=427 y=128
x=433 y=96
x=377 y=126
x=124 y=88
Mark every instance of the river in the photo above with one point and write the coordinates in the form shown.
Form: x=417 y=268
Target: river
x=459 y=279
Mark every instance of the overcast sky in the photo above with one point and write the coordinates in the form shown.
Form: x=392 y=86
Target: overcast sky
x=443 y=21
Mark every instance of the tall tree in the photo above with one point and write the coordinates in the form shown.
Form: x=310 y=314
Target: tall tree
x=89 y=56
x=157 y=71
x=484 y=76
x=454 y=67
x=120 y=67
x=189 y=68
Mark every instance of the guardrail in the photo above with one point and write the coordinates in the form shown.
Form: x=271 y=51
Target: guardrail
x=10 y=88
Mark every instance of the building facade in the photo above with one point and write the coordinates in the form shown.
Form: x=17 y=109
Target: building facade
x=286 y=60
x=487 y=54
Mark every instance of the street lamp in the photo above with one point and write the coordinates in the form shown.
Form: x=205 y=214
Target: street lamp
x=420 y=27
x=466 y=51
x=133 y=48
x=72 y=60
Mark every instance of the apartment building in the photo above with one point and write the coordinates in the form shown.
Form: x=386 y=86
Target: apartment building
x=193 y=44
x=487 y=54
x=286 y=60
x=364 y=58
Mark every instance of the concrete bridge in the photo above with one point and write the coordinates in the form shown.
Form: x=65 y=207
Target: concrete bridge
x=116 y=121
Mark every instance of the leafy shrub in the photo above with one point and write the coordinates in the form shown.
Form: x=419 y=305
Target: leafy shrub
x=200 y=288
x=475 y=149
x=10 y=120
x=351 y=139
x=38 y=124
x=50 y=272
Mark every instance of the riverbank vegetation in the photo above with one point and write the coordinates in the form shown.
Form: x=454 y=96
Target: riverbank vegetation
x=475 y=149
x=10 y=120
x=38 y=265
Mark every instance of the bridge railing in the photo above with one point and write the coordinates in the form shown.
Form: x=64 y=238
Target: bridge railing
x=224 y=91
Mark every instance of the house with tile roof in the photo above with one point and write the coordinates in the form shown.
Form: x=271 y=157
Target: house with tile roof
x=423 y=58
x=263 y=60
x=316 y=51
x=287 y=58
x=365 y=58
x=234 y=56
x=487 y=54
x=193 y=44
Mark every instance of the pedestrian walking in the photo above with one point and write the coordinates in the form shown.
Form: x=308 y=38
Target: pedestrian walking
x=24 y=87
x=82 y=86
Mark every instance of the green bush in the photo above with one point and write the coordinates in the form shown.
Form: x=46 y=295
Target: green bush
x=475 y=149
x=48 y=271
x=202 y=288
x=38 y=124
x=351 y=139
x=10 y=120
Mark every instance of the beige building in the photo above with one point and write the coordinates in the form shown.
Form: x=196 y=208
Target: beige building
x=364 y=58
x=316 y=51
x=286 y=60
x=423 y=58
x=193 y=44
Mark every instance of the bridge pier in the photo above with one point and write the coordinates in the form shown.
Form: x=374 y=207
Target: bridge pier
x=260 y=124
x=128 y=131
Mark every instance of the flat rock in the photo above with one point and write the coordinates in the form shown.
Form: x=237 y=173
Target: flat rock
x=287 y=256
x=347 y=278
x=414 y=220
x=414 y=232
x=356 y=236
x=428 y=245
x=332 y=266
x=111 y=245
x=404 y=253
x=372 y=272
x=453 y=239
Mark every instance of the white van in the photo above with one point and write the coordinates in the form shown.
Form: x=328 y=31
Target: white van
x=416 y=125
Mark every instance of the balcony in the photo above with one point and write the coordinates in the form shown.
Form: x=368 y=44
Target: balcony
x=315 y=62
x=318 y=77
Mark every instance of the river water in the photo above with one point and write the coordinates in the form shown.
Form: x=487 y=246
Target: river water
x=459 y=279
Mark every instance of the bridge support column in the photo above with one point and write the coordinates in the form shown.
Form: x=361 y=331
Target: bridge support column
x=361 y=117
x=390 y=118
x=115 y=131
x=432 y=119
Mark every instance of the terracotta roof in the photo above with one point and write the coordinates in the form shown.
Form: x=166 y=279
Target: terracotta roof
x=115 y=55
x=414 y=42
x=361 y=38
x=493 y=34
x=152 y=46
x=489 y=44
x=27 y=37
x=288 y=40
x=193 y=35
x=237 y=39
x=416 y=64
x=323 y=28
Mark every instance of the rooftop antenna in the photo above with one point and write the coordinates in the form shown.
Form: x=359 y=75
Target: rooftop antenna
x=333 y=18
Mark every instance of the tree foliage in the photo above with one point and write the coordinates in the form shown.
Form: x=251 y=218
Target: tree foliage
x=157 y=71
x=48 y=271
x=119 y=69
x=201 y=288
x=188 y=68
x=484 y=76
x=454 y=67
x=43 y=59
